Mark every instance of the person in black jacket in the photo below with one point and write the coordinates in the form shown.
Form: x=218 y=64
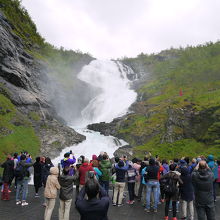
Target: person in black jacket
x=66 y=192
x=202 y=179
x=152 y=184
x=186 y=194
x=37 y=175
x=94 y=208
x=172 y=179
x=7 y=178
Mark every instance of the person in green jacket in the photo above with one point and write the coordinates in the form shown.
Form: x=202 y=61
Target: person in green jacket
x=105 y=167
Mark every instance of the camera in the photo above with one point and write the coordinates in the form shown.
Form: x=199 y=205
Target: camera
x=91 y=174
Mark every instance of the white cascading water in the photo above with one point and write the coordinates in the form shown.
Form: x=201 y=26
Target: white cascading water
x=113 y=101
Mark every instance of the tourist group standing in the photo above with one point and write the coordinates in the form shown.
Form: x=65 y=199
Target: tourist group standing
x=182 y=185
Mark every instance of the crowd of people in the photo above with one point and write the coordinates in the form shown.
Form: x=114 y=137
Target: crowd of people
x=182 y=184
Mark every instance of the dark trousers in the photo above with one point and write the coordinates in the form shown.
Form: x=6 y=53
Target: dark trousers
x=162 y=194
x=131 y=191
x=214 y=189
x=204 y=211
x=140 y=190
x=105 y=185
x=36 y=188
x=167 y=207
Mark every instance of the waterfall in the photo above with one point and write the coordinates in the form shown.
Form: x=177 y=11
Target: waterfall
x=112 y=81
x=115 y=94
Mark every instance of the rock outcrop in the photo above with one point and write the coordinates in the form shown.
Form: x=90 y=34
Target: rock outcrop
x=23 y=77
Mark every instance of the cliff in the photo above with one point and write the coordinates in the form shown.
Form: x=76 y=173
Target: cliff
x=28 y=119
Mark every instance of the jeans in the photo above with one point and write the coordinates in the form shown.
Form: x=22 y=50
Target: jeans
x=105 y=185
x=5 y=193
x=131 y=191
x=152 y=186
x=22 y=188
x=206 y=210
x=184 y=205
x=64 y=210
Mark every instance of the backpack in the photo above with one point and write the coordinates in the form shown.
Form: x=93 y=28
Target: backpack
x=62 y=163
x=19 y=172
x=169 y=187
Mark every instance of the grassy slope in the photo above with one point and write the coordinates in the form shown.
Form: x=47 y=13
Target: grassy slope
x=195 y=70
x=16 y=133
x=15 y=138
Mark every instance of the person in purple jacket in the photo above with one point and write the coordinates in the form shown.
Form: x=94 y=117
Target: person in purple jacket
x=68 y=161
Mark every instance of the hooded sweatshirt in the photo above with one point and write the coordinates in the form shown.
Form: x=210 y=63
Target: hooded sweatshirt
x=105 y=167
x=202 y=180
x=213 y=166
x=85 y=167
x=52 y=184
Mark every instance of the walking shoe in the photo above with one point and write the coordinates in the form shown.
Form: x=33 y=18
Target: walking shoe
x=114 y=204
x=37 y=195
x=128 y=202
x=183 y=218
x=166 y=218
x=119 y=205
x=18 y=202
x=147 y=210
x=155 y=210
x=24 y=203
x=9 y=191
x=131 y=202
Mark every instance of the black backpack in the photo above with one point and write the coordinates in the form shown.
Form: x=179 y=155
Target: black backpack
x=169 y=186
x=19 y=171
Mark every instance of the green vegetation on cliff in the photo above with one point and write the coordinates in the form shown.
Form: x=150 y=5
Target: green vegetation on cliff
x=16 y=129
x=16 y=132
x=179 y=102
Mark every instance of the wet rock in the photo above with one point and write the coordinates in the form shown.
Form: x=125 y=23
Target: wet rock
x=126 y=150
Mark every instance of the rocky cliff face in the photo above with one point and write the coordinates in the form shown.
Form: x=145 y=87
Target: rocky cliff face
x=23 y=76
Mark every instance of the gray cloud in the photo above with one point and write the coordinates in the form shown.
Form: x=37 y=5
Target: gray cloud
x=115 y=28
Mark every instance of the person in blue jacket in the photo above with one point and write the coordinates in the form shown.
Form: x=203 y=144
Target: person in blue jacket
x=214 y=168
x=120 y=170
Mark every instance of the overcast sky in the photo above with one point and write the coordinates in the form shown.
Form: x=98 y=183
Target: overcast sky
x=117 y=28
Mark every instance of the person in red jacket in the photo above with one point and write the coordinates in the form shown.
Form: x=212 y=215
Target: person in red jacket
x=84 y=168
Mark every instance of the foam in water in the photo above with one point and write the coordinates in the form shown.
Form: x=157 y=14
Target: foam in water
x=94 y=144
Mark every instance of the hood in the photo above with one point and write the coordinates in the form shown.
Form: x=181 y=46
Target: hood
x=184 y=171
x=85 y=165
x=203 y=174
x=210 y=157
x=94 y=157
x=54 y=170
